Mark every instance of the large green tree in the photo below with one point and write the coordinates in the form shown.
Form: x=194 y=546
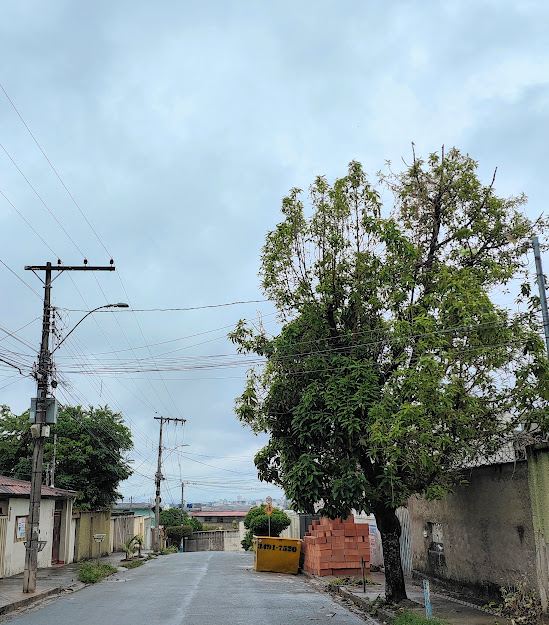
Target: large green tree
x=395 y=367
x=90 y=454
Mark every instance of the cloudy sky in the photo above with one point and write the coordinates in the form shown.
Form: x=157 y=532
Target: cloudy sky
x=178 y=127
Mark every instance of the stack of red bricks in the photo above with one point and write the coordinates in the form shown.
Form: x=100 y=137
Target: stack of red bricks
x=336 y=548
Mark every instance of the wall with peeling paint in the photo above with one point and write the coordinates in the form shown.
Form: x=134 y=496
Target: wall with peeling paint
x=482 y=535
x=538 y=481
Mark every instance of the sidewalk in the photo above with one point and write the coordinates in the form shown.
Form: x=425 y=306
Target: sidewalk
x=49 y=581
x=455 y=611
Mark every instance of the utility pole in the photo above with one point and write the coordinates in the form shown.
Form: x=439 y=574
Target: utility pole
x=158 y=479
x=542 y=291
x=183 y=499
x=41 y=431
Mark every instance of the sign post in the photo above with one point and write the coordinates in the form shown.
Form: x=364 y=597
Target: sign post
x=427 y=595
x=269 y=510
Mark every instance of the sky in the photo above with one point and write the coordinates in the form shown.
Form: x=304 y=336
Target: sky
x=165 y=135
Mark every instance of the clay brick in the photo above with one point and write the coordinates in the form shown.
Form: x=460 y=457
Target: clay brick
x=338 y=532
x=350 y=572
x=324 y=546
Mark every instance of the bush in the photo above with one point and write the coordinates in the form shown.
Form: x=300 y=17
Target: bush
x=170 y=517
x=409 y=618
x=521 y=605
x=168 y=550
x=257 y=522
x=92 y=572
x=177 y=532
x=133 y=564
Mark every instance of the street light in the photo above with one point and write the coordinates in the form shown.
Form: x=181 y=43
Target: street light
x=119 y=305
x=32 y=544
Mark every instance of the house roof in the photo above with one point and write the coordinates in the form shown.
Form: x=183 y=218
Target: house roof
x=20 y=488
x=227 y=513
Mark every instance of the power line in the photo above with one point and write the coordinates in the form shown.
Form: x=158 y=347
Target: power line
x=53 y=168
x=250 y=301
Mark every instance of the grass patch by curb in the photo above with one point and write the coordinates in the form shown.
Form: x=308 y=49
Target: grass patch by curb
x=92 y=572
x=409 y=618
x=132 y=564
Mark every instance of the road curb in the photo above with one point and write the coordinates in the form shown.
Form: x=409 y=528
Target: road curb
x=366 y=605
x=21 y=603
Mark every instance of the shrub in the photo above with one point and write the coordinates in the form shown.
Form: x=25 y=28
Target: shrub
x=409 y=618
x=177 y=532
x=257 y=522
x=168 y=550
x=132 y=564
x=521 y=605
x=92 y=572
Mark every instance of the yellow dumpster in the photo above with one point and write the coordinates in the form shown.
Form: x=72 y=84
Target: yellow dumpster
x=278 y=555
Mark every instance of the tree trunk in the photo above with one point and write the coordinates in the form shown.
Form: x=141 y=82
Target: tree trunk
x=389 y=528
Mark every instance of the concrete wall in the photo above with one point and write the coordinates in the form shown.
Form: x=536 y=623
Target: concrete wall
x=482 y=535
x=88 y=524
x=538 y=481
x=14 y=555
x=217 y=540
x=232 y=541
x=292 y=531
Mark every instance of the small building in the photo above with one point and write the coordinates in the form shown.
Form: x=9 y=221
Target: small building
x=55 y=525
x=220 y=518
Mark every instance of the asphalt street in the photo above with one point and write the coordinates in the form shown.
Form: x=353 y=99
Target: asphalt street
x=195 y=588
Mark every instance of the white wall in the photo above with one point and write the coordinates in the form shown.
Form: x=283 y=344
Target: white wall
x=14 y=559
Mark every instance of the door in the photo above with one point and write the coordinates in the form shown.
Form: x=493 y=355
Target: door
x=56 y=532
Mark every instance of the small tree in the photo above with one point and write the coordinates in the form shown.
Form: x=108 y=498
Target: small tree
x=257 y=523
x=176 y=533
x=171 y=517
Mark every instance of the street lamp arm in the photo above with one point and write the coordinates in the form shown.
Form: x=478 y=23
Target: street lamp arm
x=119 y=305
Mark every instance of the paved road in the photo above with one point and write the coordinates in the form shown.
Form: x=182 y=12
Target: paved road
x=195 y=588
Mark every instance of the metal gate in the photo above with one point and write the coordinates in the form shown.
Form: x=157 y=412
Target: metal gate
x=405 y=540
x=3 y=531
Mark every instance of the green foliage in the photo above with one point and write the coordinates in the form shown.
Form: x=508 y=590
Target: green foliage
x=168 y=550
x=177 y=532
x=92 y=572
x=394 y=368
x=90 y=454
x=521 y=605
x=257 y=523
x=411 y=618
x=171 y=517
x=132 y=564
x=133 y=544
x=349 y=581
x=194 y=523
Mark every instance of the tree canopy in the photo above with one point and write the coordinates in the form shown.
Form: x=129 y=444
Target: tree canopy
x=90 y=454
x=396 y=365
x=257 y=523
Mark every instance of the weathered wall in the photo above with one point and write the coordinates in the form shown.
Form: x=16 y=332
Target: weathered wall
x=14 y=555
x=232 y=541
x=217 y=540
x=480 y=536
x=538 y=481
x=88 y=524
x=123 y=528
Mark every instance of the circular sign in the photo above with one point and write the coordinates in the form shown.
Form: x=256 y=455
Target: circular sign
x=269 y=500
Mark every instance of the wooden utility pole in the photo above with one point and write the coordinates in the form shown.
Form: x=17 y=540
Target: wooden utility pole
x=158 y=479
x=40 y=430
